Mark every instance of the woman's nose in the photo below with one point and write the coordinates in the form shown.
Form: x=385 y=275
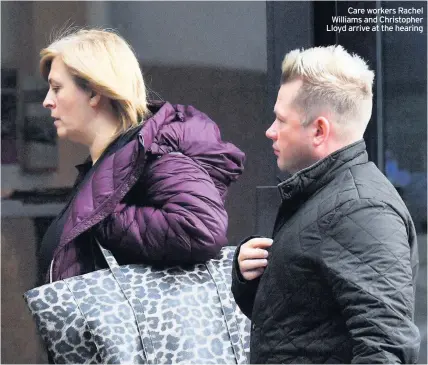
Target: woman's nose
x=48 y=102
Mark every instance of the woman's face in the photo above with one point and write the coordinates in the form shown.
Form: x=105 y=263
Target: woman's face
x=69 y=104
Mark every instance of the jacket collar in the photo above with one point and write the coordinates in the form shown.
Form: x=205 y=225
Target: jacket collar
x=307 y=181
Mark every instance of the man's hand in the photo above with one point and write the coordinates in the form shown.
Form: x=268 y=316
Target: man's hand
x=252 y=258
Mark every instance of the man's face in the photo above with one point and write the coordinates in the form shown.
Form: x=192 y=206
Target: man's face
x=291 y=141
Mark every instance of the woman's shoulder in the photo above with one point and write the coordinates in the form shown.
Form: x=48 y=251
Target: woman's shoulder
x=183 y=128
x=186 y=130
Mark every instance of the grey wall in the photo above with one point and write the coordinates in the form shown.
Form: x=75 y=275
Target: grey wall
x=10 y=22
x=229 y=34
x=289 y=26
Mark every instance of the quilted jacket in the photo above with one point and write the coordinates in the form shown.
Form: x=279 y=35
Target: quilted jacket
x=340 y=281
x=159 y=198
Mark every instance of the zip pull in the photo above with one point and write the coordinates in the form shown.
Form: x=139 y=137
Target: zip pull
x=50 y=271
x=141 y=140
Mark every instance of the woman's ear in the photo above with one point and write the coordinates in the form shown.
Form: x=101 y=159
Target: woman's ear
x=94 y=99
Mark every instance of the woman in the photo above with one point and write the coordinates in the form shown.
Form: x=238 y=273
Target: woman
x=154 y=186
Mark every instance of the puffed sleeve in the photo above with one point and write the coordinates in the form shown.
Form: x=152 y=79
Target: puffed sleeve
x=182 y=218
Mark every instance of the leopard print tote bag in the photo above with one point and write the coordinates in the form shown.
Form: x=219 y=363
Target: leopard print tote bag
x=142 y=314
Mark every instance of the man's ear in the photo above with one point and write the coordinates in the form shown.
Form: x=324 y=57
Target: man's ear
x=94 y=99
x=321 y=130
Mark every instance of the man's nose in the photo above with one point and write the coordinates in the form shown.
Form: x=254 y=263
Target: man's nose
x=271 y=132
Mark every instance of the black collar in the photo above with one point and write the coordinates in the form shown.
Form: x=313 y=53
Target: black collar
x=85 y=166
x=307 y=181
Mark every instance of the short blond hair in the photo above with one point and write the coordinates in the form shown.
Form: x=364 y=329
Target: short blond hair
x=331 y=78
x=102 y=61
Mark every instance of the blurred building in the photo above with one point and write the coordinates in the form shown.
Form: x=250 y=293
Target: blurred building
x=223 y=58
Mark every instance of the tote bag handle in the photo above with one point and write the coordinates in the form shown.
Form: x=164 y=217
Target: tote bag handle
x=140 y=318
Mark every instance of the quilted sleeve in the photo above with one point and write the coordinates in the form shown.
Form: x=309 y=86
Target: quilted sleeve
x=181 y=220
x=366 y=260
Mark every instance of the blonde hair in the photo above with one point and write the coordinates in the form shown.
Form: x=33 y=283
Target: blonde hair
x=102 y=61
x=332 y=79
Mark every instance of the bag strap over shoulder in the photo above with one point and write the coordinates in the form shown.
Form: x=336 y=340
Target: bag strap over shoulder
x=148 y=348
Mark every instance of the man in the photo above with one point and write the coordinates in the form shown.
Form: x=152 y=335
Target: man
x=336 y=284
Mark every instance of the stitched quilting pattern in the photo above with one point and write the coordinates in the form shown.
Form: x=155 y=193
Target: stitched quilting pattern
x=339 y=285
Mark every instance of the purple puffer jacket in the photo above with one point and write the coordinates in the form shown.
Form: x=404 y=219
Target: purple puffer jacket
x=160 y=198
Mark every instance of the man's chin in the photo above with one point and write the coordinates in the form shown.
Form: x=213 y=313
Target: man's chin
x=284 y=169
x=281 y=166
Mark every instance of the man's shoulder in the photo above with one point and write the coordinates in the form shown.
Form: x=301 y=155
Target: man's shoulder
x=360 y=184
x=371 y=183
